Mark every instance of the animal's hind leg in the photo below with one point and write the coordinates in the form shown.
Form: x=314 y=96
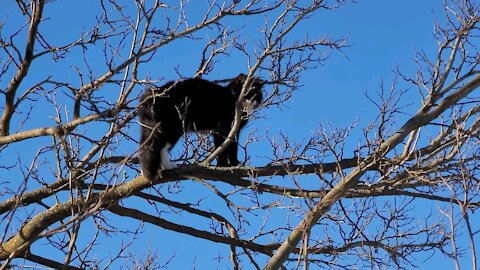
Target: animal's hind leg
x=155 y=156
x=149 y=154
x=169 y=139
x=165 y=162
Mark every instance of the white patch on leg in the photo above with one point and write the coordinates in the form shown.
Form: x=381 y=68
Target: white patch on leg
x=165 y=162
x=250 y=106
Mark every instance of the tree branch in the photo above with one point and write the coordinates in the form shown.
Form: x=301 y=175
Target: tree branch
x=37 y=6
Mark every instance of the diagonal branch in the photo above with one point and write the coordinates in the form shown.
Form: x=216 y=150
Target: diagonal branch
x=311 y=218
x=133 y=213
x=55 y=130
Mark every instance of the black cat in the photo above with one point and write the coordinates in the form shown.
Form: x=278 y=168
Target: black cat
x=168 y=112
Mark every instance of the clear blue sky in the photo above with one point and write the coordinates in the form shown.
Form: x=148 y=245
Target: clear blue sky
x=383 y=35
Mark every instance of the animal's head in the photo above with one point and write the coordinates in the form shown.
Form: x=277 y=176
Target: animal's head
x=253 y=97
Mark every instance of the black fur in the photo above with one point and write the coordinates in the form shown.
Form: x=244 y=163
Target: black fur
x=167 y=112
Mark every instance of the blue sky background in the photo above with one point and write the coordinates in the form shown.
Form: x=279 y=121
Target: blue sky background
x=383 y=35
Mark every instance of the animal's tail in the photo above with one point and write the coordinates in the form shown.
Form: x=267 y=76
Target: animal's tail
x=149 y=150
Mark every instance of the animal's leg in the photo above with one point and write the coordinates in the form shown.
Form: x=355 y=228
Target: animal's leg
x=229 y=156
x=149 y=154
x=165 y=162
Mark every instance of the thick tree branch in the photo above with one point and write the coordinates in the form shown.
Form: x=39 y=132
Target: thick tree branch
x=232 y=175
x=351 y=180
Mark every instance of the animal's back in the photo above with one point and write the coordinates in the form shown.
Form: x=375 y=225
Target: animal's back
x=199 y=104
x=198 y=91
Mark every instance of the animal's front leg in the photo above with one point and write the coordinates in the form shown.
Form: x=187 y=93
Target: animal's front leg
x=222 y=160
x=232 y=152
x=229 y=156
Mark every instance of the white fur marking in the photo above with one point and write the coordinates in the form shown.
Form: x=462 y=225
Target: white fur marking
x=165 y=163
x=250 y=106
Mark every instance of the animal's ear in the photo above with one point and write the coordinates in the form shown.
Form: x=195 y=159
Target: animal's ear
x=236 y=84
x=240 y=80
x=241 y=77
x=260 y=82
